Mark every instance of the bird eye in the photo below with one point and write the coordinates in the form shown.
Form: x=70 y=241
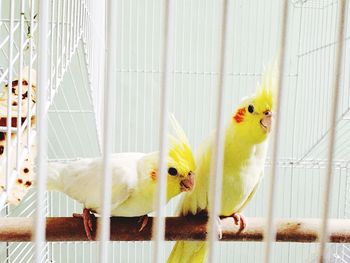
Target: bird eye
x=251 y=108
x=172 y=171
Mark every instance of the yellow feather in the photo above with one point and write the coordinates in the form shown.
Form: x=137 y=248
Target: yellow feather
x=267 y=90
x=188 y=252
x=240 y=137
x=180 y=150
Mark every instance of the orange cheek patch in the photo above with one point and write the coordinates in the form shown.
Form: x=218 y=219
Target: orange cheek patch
x=239 y=116
x=153 y=175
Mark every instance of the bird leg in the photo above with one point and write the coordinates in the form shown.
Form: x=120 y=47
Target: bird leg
x=239 y=220
x=143 y=220
x=88 y=219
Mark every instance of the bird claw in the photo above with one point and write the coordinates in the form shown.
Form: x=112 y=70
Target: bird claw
x=88 y=219
x=143 y=220
x=239 y=220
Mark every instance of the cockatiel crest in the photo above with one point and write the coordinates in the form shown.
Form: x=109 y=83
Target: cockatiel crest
x=266 y=92
x=180 y=151
x=257 y=110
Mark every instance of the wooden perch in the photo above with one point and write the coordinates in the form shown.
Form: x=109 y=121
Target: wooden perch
x=177 y=228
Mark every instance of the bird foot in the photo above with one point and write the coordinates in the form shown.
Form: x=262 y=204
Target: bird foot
x=239 y=220
x=88 y=219
x=143 y=220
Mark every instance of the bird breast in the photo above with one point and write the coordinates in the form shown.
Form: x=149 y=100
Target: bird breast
x=239 y=182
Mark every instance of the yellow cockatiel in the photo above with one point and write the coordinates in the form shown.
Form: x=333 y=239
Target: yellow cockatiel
x=134 y=177
x=244 y=155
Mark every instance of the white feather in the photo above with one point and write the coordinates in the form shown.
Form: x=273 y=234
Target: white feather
x=82 y=179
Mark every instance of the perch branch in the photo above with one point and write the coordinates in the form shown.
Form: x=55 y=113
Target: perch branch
x=177 y=228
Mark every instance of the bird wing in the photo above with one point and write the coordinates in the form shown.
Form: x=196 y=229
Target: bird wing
x=82 y=179
x=250 y=196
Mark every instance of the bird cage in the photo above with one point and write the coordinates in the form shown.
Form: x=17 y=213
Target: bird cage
x=100 y=77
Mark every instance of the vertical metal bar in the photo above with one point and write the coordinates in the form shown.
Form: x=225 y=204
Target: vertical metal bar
x=69 y=29
x=324 y=236
x=57 y=42
x=86 y=21
x=76 y=23
x=110 y=60
x=215 y=189
x=80 y=15
x=40 y=221
x=9 y=98
x=159 y=222
x=83 y=20
x=19 y=98
x=72 y=27
x=52 y=17
x=71 y=43
x=30 y=80
x=78 y=20
x=270 y=229
x=89 y=36
x=67 y=36
x=63 y=29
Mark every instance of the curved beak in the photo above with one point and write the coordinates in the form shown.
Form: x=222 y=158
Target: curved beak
x=187 y=183
x=266 y=121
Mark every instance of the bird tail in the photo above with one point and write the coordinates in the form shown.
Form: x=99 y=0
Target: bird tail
x=188 y=252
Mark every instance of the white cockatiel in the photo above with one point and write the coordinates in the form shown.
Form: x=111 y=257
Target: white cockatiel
x=134 y=177
x=24 y=178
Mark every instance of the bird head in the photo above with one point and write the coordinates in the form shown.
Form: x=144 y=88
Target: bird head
x=253 y=118
x=180 y=170
x=180 y=163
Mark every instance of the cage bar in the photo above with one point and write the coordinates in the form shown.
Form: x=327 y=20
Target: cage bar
x=160 y=200
x=9 y=98
x=270 y=231
x=19 y=101
x=43 y=87
x=30 y=68
x=215 y=186
x=332 y=124
x=110 y=10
